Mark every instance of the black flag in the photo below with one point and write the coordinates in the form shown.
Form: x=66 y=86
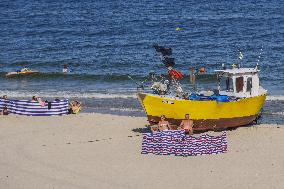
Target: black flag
x=165 y=55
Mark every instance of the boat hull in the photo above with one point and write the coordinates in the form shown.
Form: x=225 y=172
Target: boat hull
x=206 y=115
x=209 y=124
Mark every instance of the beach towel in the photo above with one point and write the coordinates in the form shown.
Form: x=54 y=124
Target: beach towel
x=178 y=144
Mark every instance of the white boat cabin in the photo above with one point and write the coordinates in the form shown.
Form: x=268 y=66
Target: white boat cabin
x=239 y=82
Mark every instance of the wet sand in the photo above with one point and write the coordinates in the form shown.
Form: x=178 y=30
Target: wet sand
x=103 y=151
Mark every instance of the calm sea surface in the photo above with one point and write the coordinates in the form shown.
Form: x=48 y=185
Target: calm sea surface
x=104 y=41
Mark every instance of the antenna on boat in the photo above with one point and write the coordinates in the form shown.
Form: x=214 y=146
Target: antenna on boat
x=258 y=58
x=241 y=56
x=227 y=55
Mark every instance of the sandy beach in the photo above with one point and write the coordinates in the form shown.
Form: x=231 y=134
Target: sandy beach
x=104 y=151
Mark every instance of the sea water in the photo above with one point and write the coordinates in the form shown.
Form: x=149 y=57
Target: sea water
x=104 y=41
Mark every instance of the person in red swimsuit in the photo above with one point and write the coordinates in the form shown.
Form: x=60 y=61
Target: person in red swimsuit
x=187 y=125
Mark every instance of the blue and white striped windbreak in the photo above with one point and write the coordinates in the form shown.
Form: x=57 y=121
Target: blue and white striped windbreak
x=31 y=108
x=178 y=144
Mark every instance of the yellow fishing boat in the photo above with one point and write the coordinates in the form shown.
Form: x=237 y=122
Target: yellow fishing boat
x=237 y=101
x=239 y=104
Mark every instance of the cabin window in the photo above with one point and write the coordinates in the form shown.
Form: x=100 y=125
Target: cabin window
x=239 y=84
x=249 y=84
x=227 y=84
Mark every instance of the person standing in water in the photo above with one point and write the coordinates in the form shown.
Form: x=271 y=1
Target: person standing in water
x=65 y=69
x=202 y=70
x=192 y=76
x=187 y=125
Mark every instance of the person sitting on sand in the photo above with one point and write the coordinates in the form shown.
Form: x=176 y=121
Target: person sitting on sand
x=74 y=107
x=187 y=125
x=34 y=99
x=4 y=111
x=37 y=99
x=163 y=125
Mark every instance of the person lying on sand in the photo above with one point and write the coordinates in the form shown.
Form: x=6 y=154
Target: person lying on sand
x=187 y=125
x=4 y=111
x=74 y=107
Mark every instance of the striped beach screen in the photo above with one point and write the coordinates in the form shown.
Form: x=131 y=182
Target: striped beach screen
x=31 y=108
x=178 y=144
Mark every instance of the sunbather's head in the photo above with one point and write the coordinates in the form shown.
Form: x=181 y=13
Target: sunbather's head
x=163 y=117
x=5 y=97
x=34 y=98
x=186 y=116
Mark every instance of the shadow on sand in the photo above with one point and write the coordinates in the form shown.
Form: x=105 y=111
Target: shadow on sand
x=142 y=130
